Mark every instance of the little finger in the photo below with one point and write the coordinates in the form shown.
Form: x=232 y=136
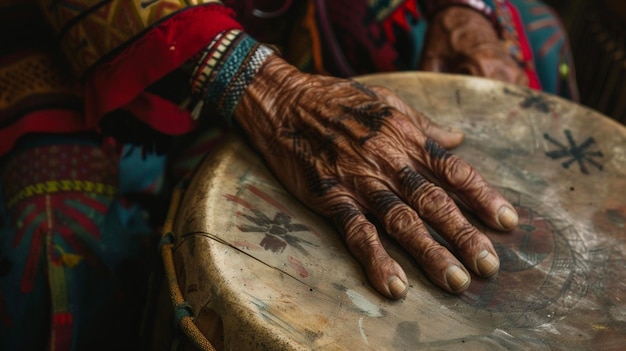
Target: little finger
x=361 y=237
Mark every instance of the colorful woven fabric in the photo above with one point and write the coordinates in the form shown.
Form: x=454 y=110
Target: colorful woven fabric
x=73 y=262
x=116 y=82
x=123 y=82
x=36 y=96
x=90 y=30
x=56 y=170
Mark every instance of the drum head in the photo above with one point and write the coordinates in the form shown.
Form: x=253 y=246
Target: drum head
x=281 y=278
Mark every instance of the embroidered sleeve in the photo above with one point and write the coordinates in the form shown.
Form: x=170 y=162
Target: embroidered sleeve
x=120 y=48
x=90 y=31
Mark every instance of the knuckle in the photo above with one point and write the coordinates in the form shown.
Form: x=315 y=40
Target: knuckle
x=361 y=237
x=465 y=238
x=401 y=220
x=432 y=253
x=434 y=203
x=412 y=183
x=460 y=175
x=384 y=201
x=343 y=214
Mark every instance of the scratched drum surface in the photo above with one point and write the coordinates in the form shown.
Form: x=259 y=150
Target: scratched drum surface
x=281 y=278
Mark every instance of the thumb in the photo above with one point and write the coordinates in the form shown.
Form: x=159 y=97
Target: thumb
x=432 y=63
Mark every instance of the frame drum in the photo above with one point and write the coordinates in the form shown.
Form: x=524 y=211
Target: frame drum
x=275 y=276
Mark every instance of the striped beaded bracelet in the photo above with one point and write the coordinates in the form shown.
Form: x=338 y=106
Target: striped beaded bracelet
x=220 y=73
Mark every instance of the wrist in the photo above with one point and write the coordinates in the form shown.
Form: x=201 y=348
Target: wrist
x=272 y=87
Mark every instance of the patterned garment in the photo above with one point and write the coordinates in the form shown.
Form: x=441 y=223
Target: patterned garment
x=91 y=30
x=105 y=42
x=52 y=105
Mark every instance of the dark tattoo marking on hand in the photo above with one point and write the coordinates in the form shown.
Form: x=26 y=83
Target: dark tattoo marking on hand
x=318 y=185
x=309 y=145
x=370 y=115
x=364 y=89
x=384 y=201
x=343 y=213
x=311 y=142
x=411 y=180
x=576 y=153
x=435 y=150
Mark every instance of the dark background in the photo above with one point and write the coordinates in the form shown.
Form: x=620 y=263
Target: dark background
x=597 y=31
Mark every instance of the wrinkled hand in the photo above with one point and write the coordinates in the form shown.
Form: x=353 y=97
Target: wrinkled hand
x=461 y=40
x=346 y=150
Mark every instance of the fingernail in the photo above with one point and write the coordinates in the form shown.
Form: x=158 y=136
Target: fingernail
x=457 y=279
x=397 y=286
x=487 y=263
x=507 y=217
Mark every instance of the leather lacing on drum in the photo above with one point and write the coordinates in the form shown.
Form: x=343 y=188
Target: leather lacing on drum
x=183 y=314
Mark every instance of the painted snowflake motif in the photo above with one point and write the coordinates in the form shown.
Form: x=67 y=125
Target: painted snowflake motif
x=531 y=100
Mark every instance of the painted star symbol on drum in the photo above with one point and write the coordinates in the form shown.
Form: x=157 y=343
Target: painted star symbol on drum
x=575 y=153
x=277 y=231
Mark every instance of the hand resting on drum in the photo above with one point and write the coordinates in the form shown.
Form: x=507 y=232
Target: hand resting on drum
x=347 y=150
x=462 y=40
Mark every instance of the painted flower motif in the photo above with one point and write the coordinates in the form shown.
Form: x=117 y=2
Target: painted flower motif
x=278 y=231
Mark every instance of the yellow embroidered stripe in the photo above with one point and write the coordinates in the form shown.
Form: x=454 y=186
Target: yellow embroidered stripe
x=58 y=186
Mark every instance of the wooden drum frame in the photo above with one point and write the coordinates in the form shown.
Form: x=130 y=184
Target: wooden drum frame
x=275 y=276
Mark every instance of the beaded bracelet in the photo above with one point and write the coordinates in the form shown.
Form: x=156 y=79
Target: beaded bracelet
x=477 y=5
x=220 y=73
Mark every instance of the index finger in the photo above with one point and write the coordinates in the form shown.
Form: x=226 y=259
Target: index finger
x=460 y=178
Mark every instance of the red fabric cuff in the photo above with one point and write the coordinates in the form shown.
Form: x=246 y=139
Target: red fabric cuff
x=120 y=82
